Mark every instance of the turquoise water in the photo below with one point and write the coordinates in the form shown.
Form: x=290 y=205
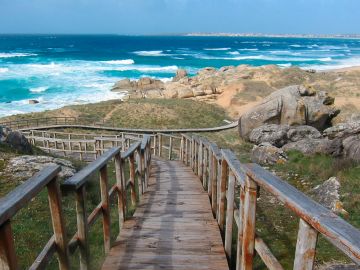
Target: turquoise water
x=60 y=70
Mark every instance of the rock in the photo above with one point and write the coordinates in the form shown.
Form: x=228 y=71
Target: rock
x=17 y=141
x=198 y=92
x=273 y=134
x=316 y=146
x=351 y=147
x=267 y=154
x=328 y=195
x=279 y=135
x=180 y=74
x=123 y=85
x=24 y=167
x=185 y=92
x=293 y=105
x=153 y=94
x=170 y=93
x=343 y=130
x=33 y=101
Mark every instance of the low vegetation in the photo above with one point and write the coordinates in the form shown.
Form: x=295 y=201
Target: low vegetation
x=275 y=224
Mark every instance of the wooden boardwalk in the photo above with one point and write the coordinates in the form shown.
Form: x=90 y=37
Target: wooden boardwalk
x=172 y=228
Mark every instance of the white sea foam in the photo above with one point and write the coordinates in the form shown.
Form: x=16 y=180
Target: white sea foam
x=4 y=70
x=296 y=46
x=11 y=55
x=150 y=53
x=234 y=53
x=39 y=89
x=248 y=49
x=149 y=68
x=120 y=62
x=217 y=49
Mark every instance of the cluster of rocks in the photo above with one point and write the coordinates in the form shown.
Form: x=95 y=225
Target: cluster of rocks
x=15 y=140
x=298 y=118
x=207 y=82
x=24 y=167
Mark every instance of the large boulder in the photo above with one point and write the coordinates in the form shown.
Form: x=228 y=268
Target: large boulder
x=328 y=195
x=15 y=140
x=24 y=167
x=180 y=73
x=279 y=135
x=267 y=154
x=316 y=146
x=293 y=105
x=351 y=147
x=124 y=85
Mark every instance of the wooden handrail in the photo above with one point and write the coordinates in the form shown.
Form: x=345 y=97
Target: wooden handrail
x=16 y=199
x=219 y=170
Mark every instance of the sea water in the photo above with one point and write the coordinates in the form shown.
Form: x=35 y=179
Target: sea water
x=60 y=70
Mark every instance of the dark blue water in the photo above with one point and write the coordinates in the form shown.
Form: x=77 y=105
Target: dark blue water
x=61 y=69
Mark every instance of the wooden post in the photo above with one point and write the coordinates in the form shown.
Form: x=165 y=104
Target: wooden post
x=7 y=248
x=182 y=149
x=58 y=224
x=186 y=152
x=154 y=145
x=305 y=247
x=120 y=189
x=142 y=167
x=139 y=174
x=82 y=228
x=160 y=145
x=229 y=214
x=170 y=147
x=105 y=207
x=214 y=178
x=200 y=161
x=223 y=178
x=248 y=243
x=240 y=229
x=132 y=179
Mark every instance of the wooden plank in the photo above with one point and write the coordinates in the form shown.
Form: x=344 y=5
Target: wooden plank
x=57 y=219
x=229 y=214
x=21 y=195
x=172 y=228
x=248 y=242
x=80 y=178
x=82 y=228
x=305 y=247
x=7 y=249
x=339 y=232
x=266 y=255
x=222 y=195
x=105 y=207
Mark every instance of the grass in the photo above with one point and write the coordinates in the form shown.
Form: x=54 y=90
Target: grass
x=275 y=224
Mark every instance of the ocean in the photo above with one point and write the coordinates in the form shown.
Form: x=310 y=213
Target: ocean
x=60 y=70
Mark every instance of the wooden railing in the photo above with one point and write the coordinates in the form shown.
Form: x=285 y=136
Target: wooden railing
x=221 y=172
x=89 y=146
x=96 y=124
x=138 y=157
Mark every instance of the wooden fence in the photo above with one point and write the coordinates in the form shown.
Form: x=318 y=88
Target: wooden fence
x=221 y=172
x=138 y=156
x=89 y=146
x=96 y=124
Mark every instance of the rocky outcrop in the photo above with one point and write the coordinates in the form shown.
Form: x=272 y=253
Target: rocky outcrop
x=293 y=105
x=351 y=147
x=180 y=73
x=15 y=140
x=24 y=167
x=328 y=194
x=143 y=88
x=316 y=146
x=267 y=154
x=279 y=135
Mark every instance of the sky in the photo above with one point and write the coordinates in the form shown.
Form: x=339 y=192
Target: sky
x=180 y=16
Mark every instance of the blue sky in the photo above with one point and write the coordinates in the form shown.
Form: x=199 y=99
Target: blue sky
x=179 y=16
